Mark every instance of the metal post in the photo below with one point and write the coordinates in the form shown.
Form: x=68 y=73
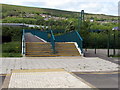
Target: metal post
x=23 y=43
x=95 y=44
x=80 y=19
x=82 y=15
x=114 y=44
x=23 y=18
x=79 y=23
x=108 y=45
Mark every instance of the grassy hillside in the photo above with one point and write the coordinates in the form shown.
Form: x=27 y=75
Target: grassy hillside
x=55 y=20
x=7 y=10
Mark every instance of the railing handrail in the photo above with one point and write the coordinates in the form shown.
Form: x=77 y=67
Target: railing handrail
x=53 y=41
x=80 y=41
x=52 y=35
x=79 y=36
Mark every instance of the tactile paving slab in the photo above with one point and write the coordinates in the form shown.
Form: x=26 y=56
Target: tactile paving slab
x=49 y=78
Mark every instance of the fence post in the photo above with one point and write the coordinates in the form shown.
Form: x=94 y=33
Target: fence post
x=108 y=43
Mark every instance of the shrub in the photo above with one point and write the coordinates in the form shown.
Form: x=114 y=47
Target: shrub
x=11 y=55
x=11 y=47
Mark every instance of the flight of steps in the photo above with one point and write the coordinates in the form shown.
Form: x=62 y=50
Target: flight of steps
x=37 y=49
x=66 y=49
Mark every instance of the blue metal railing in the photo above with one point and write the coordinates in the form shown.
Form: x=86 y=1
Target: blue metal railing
x=40 y=34
x=73 y=36
x=52 y=40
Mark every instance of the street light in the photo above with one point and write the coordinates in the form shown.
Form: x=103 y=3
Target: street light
x=108 y=43
x=91 y=21
x=115 y=28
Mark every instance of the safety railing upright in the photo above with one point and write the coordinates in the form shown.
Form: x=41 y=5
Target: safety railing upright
x=79 y=41
x=52 y=40
x=23 y=42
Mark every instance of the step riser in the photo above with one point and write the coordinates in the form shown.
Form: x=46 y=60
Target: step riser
x=45 y=49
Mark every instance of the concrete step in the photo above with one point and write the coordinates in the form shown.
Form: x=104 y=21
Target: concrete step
x=68 y=49
x=36 y=49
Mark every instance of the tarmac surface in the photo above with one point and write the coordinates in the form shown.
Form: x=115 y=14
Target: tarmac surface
x=101 y=80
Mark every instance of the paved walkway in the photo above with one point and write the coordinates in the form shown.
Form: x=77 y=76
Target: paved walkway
x=32 y=38
x=50 y=78
x=103 y=55
x=72 y=64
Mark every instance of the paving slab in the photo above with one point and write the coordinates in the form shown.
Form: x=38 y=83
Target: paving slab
x=45 y=78
x=71 y=64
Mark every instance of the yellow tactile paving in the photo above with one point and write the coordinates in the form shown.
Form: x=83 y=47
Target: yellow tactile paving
x=37 y=70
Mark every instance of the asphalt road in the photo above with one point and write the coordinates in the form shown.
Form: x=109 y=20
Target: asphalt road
x=101 y=80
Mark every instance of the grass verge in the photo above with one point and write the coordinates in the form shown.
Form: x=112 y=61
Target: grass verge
x=11 y=49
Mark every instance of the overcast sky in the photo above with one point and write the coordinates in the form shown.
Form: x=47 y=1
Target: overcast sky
x=109 y=7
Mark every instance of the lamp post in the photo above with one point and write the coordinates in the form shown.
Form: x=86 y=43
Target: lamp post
x=80 y=19
x=95 y=39
x=23 y=15
x=114 y=42
x=108 y=45
x=95 y=44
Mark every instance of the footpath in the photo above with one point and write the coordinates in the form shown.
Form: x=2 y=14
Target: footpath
x=51 y=72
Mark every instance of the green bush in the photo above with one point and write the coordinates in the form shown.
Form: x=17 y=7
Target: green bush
x=11 y=55
x=15 y=33
x=11 y=47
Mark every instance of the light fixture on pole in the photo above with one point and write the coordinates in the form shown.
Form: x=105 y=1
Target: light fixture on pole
x=114 y=41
